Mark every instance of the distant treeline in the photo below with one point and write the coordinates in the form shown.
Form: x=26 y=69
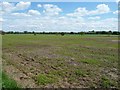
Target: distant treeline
x=63 y=33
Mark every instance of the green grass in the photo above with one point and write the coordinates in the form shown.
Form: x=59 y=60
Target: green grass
x=44 y=79
x=90 y=61
x=58 y=40
x=80 y=73
x=9 y=83
x=106 y=83
x=69 y=57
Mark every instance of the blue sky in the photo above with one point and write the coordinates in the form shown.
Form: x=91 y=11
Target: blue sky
x=69 y=7
x=59 y=16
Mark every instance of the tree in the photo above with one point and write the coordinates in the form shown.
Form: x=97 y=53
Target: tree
x=93 y=31
x=34 y=33
x=71 y=32
x=110 y=32
x=25 y=32
x=115 y=33
x=43 y=32
x=2 y=32
x=62 y=33
x=82 y=33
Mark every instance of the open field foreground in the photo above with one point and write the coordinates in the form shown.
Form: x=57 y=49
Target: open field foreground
x=70 y=61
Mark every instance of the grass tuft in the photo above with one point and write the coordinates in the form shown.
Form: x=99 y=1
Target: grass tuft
x=106 y=83
x=80 y=73
x=44 y=79
x=91 y=61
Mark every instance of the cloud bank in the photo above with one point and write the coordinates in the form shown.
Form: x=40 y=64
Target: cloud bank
x=50 y=17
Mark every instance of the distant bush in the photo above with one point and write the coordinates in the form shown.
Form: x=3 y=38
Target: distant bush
x=62 y=33
x=2 y=32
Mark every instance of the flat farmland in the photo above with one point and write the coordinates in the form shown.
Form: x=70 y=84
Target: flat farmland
x=53 y=61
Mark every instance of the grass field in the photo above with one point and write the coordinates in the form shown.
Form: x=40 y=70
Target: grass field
x=70 y=61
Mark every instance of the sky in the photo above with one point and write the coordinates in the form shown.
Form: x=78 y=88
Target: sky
x=59 y=16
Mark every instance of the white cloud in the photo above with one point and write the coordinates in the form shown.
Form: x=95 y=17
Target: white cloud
x=9 y=7
x=117 y=1
x=115 y=12
x=1 y=12
x=110 y=20
x=112 y=24
x=22 y=5
x=33 y=12
x=79 y=12
x=51 y=9
x=101 y=9
x=60 y=24
x=94 y=18
x=29 y=13
x=20 y=14
x=1 y=19
x=71 y=22
x=39 y=5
